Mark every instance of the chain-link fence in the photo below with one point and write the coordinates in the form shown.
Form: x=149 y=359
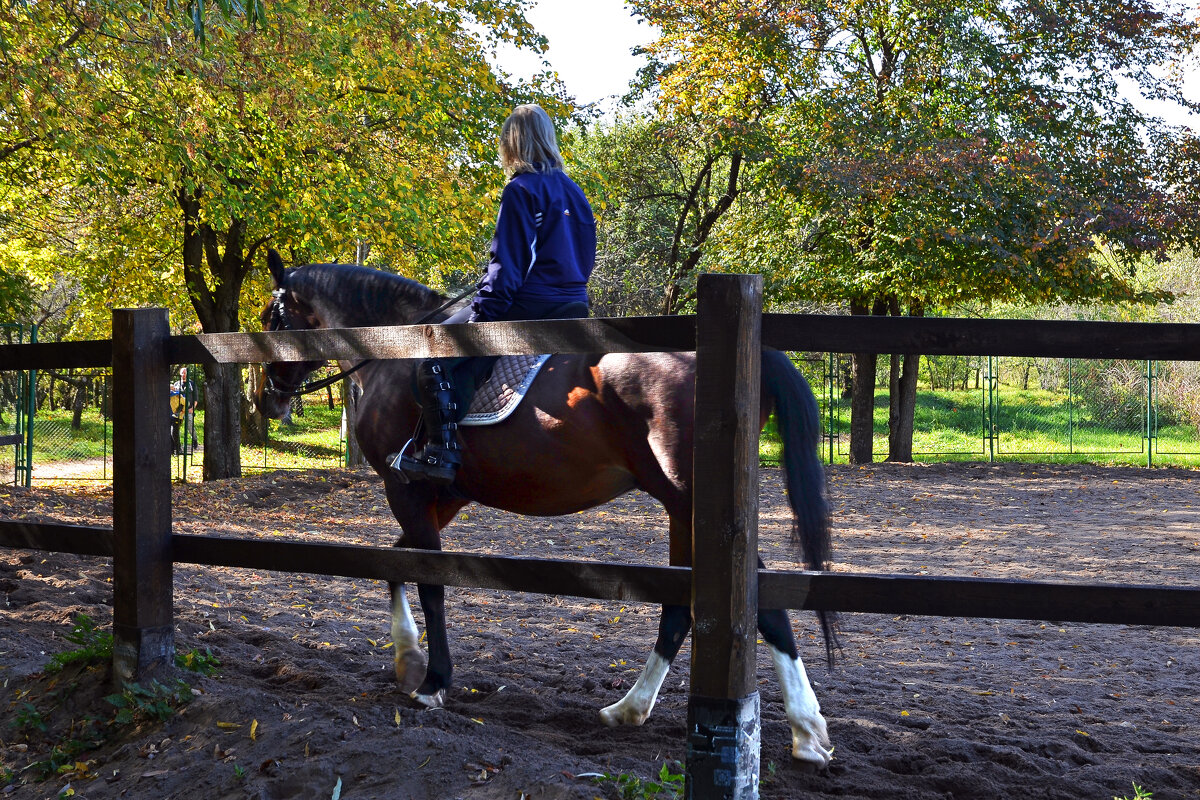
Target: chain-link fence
x=1029 y=409
x=968 y=408
x=72 y=429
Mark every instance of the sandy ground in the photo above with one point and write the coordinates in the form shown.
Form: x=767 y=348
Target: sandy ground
x=304 y=704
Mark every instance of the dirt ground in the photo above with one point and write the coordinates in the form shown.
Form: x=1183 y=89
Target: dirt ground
x=304 y=706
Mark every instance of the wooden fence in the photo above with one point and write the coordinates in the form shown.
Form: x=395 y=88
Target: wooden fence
x=726 y=334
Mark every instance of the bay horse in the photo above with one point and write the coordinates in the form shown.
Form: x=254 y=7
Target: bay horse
x=590 y=428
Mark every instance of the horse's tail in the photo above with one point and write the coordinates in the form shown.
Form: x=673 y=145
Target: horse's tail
x=799 y=423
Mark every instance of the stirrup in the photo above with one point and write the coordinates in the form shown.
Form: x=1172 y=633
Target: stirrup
x=426 y=468
x=422 y=467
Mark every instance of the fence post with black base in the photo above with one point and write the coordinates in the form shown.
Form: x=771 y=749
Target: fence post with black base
x=143 y=621
x=723 y=709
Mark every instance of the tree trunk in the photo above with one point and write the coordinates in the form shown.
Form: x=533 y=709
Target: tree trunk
x=80 y=402
x=214 y=278
x=862 y=400
x=350 y=397
x=903 y=399
x=222 y=422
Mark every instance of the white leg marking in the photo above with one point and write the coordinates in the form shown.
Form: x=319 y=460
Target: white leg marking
x=410 y=660
x=810 y=737
x=635 y=707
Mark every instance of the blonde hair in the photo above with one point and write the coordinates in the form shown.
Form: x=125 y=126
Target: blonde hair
x=528 y=142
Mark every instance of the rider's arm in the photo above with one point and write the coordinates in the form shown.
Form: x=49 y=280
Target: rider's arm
x=513 y=251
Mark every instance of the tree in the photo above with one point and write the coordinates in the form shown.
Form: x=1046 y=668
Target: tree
x=662 y=189
x=180 y=158
x=938 y=153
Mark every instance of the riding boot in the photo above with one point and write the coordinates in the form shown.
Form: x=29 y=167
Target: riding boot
x=437 y=461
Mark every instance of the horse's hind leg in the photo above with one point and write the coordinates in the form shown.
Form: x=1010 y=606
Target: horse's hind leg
x=674 y=623
x=810 y=737
x=635 y=707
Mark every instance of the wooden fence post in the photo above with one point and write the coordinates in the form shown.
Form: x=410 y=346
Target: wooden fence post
x=143 y=622
x=723 y=709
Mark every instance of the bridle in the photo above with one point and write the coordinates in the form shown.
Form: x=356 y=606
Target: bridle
x=279 y=321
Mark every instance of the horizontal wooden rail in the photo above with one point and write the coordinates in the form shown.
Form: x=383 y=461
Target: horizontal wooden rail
x=828 y=591
x=937 y=336
x=56 y=355
x=981 y=597
x=616 y=335
x=811 y=332
x=597 y=580
x=84 y=540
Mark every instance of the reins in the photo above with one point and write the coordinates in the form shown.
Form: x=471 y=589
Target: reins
x=309 y=388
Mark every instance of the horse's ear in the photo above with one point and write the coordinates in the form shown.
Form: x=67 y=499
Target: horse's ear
x=275 y=265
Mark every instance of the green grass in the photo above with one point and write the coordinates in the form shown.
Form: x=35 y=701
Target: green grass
x=1031 y=425
x=314 y=441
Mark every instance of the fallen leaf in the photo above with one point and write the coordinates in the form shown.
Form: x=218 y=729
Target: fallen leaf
x=254 y=730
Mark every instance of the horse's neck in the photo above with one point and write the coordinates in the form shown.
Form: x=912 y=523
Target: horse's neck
x=332 y=316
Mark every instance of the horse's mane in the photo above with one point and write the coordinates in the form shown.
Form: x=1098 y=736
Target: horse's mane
x=364 y=295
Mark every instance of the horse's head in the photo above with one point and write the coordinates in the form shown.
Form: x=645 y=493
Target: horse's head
x=285 y=311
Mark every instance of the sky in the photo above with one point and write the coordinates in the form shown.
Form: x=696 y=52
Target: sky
x=590 y=44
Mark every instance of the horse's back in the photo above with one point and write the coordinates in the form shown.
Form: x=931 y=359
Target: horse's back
x=590 y=428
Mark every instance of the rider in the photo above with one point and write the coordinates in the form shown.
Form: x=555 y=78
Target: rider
x=542 y=255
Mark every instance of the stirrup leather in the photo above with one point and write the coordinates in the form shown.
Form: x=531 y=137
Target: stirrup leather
x=437 y=461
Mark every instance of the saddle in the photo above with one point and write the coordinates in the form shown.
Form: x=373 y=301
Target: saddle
x=497 y=398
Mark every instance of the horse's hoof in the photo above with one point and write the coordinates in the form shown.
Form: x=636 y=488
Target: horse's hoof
x=435 y=700
x=811 y=752
x=619 y=714
x=410 y=670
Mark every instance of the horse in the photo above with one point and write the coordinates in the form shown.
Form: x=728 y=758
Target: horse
x=591 y=427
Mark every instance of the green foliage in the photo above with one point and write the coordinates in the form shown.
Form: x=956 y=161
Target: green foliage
x=61 y=758
x=660 y=188
x=630 y=787
x=937 y=153
x=239 y=772
x=203 y=663
x=1138 y=794
x=94 y=646
x=155 y=702
x=28 y=718
x=1112 y=393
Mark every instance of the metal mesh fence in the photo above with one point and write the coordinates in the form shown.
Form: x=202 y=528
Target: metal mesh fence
x=311 y=436
x=9 y=450
x=72 y=432
x=1034 y=409
x=968 y=408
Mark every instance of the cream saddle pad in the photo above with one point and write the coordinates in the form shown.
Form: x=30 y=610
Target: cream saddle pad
x=499 y=397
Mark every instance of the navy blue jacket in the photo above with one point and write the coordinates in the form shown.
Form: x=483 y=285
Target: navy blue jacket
x=543 y=251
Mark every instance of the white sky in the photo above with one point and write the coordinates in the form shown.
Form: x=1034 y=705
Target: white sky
x=590 y=43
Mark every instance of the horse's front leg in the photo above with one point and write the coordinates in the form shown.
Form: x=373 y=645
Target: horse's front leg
x=810 y=735
x=410 y=662
x=424 y=680
x=421 y=517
